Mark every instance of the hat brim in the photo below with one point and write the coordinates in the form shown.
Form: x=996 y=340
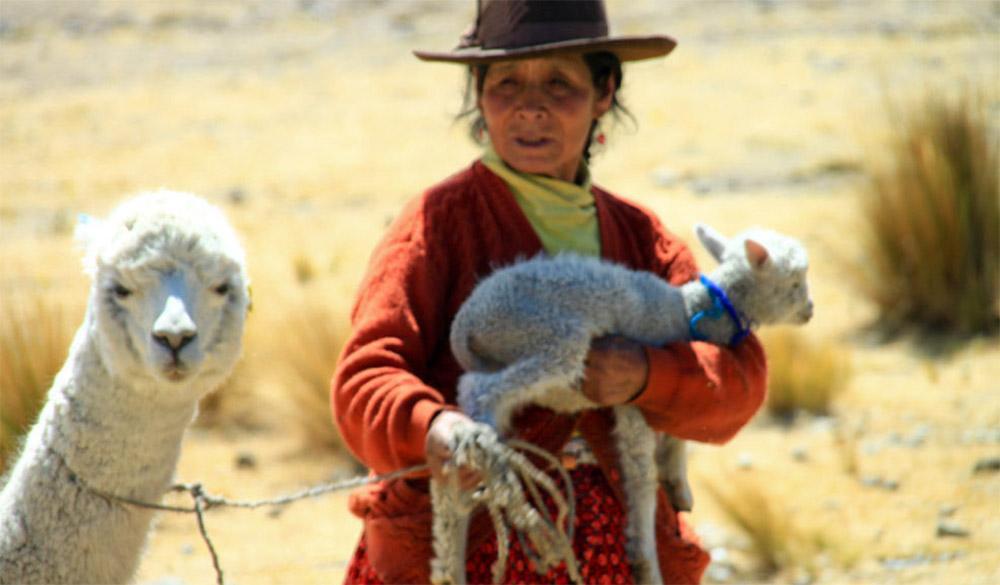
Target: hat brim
x=625 y=48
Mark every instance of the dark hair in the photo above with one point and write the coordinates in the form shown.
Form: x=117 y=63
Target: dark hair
x=603 y=65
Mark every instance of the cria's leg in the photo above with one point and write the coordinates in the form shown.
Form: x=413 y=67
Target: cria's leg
x=635 y=442
x=671 y=468
x=450 y=532
x=548 y=377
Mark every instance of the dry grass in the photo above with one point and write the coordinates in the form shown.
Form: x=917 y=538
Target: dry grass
x=846 y=442
x=35 y=336
x=236 y=403
x=777 y=542
x=804 y=375
x=317 y=327
x=932 y=219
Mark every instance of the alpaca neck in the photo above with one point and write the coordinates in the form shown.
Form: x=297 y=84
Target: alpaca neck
x=114 y=434
x=697 y=298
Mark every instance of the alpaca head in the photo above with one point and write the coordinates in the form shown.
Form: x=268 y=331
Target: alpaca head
x=170 y=290
x=764 y=273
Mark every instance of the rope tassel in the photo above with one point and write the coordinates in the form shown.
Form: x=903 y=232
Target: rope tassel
x=506 y=475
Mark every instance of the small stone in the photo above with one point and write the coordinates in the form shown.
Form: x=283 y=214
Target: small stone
x=187 y=550
x=246 y=460
x=952 y=529
x=744 y=461
x=237 y=195
x=947 y=510
x=918 y=437
x=719 y=573
x=719 y=554
x=871 y=447
x=987 y=465
x=665 y=177
x=800 y=454
x=823 y=424
x=879 y=482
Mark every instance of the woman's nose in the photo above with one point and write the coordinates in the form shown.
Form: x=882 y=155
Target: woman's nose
x=531 y=103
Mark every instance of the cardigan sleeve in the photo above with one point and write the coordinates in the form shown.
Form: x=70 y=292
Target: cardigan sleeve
x=699 y=391
x=381 y=403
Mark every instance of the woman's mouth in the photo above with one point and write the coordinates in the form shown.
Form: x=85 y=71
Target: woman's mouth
x=532 y=142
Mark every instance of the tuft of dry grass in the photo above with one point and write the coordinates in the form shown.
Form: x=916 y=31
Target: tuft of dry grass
x=778 y=543
x=305 y=270
x=846 y=440
x=931 y=239
x=319 y=327
x=35 y=336
x=804 y=375
x=775 y=541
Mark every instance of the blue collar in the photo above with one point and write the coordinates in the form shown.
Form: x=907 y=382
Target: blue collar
x=720 y=304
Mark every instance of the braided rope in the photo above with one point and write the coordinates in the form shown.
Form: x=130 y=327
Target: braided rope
x=506 y=475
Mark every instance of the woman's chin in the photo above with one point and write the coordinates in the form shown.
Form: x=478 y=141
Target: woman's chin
x=535 y=163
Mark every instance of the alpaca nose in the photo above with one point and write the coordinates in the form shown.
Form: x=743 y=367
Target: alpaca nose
x=173 y=341
x=174 y=328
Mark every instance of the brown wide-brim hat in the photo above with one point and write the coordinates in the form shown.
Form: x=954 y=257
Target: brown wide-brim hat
x=512 y=29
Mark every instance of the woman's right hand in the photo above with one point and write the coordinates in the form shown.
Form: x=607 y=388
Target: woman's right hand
x=438 y=448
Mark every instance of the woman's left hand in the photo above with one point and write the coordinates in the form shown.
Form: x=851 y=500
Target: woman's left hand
x=615 y=371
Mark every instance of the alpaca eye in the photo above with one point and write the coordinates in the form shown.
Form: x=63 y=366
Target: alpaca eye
x=120 y=291
x=222 y=289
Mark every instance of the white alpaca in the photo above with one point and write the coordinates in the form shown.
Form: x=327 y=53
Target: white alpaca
x=524 y=332
x=162 y=328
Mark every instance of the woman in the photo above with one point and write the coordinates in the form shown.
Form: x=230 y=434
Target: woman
x=544 y=74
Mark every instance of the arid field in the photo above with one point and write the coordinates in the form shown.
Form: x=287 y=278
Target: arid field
x=310 y=124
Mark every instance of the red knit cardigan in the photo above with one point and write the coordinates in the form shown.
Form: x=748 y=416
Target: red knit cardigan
x=397 y=371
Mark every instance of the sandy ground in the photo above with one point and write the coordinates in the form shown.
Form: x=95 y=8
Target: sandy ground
x=311 y=123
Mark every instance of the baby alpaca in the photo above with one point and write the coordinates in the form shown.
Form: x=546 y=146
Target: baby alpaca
x=524 y=332
x=163 y=326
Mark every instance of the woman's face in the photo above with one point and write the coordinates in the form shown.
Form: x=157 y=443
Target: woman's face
x=538 y=112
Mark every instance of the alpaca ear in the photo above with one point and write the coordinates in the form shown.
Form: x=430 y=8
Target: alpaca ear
x=713 y=241
x=85 y=235
x=757 y=254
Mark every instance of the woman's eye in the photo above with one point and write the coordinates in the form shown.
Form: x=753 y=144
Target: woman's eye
x=222 y=289
x=120 y=291
x=560 y=87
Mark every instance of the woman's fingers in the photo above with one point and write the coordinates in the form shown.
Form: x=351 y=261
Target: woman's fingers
x=438 y=448
x=615 y=370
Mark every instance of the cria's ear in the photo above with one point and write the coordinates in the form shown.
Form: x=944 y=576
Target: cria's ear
x=756 y=253
x=85 y=235
x=713 y=241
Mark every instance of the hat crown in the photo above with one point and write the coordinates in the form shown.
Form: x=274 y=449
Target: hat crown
x=513 y=24
x=519 y=29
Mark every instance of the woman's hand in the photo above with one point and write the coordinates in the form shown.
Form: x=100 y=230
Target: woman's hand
x=438 y=450
x=615 y=371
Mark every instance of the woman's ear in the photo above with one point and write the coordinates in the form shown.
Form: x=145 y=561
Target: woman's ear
x=604 y=98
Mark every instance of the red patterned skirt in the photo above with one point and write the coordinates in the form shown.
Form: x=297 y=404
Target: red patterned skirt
x=598 y=543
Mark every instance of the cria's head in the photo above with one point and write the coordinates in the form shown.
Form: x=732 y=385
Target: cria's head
x=768 y=271
x=170 y=289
